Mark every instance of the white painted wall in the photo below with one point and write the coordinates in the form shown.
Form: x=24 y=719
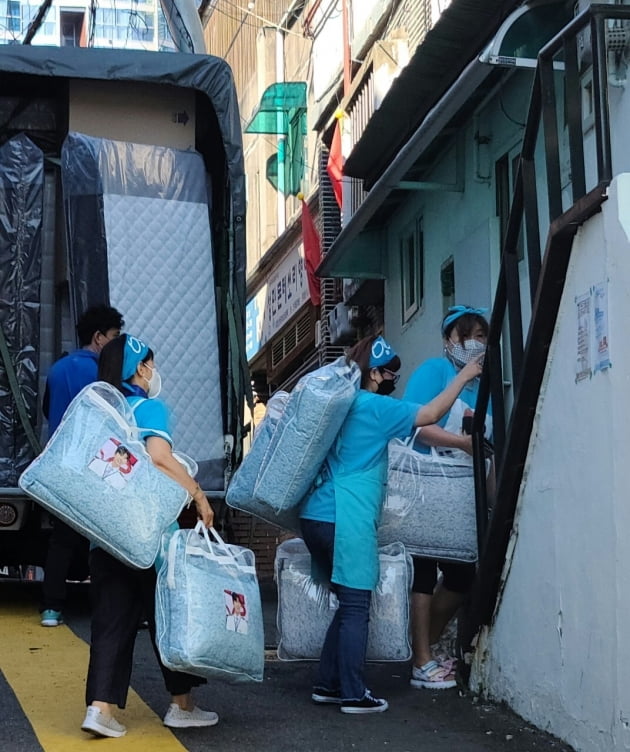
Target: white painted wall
x=558 y=652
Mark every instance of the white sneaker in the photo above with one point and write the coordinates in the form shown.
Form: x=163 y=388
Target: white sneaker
x=99 y=724
x=433 y=676
x=177 y=718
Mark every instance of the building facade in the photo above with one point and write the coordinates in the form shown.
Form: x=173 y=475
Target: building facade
x=124 y=24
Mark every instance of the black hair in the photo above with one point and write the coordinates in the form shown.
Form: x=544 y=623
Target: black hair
x=110 y=362
x=360 y=354
x=122 y=449
x=464 y=326
x=97 y=319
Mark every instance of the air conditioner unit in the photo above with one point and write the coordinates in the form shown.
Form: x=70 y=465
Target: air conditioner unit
x=350 y=286
x=341 y=324
x=318 y=333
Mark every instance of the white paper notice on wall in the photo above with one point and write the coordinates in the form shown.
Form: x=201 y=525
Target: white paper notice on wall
x=593 y=346
x=583 y=360
x=600 y=306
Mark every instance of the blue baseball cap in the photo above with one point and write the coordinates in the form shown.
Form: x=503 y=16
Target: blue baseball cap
x=134 y=352
x=382 y=353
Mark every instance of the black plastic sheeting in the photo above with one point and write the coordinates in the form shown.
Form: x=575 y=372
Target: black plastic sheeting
x=85 y=223
x=21 y=213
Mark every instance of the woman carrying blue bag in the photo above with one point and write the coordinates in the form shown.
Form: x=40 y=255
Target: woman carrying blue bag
x=121 y=595
x=339 y=519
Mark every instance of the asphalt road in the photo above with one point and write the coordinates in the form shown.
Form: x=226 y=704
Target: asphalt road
x=276 y=715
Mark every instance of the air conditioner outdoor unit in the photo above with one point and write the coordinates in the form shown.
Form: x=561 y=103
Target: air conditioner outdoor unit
x=340 y=324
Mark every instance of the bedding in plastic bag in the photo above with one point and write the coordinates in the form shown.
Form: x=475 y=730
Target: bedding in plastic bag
x=306 y=608
x=96 y=475
x=441 y=523
x=307 y=428
x=207 y=608
x=240 y=492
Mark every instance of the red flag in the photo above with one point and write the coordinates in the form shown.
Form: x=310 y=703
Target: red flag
x=312 y=252
x=334 y=166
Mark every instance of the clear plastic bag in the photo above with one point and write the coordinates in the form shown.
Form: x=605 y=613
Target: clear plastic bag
x=208 y=611
x=240 y=492
x=430 y=507
x=306 y=608
x=97 y=476
x=306 y=430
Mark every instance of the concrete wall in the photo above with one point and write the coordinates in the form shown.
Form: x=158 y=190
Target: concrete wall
x=558 y=651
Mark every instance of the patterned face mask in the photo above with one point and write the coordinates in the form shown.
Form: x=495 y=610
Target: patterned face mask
x=463 y=353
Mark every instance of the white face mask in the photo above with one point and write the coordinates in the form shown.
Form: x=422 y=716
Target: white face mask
x=463 y=353
x=155 y=382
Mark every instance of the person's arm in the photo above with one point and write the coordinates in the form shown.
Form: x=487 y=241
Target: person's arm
x=160 y=452
x=435 y=435
x=433 y=411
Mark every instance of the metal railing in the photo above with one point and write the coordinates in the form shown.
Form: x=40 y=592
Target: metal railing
x=562 y=63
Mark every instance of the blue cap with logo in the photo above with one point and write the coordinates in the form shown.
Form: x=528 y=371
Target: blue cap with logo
x=135 y=351
x=382 y=353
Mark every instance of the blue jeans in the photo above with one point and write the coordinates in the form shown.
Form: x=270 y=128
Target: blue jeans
x=343 y=656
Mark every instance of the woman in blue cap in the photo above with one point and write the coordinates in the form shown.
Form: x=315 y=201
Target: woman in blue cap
x=121 y=595
x=465 y=333
x=339 y=519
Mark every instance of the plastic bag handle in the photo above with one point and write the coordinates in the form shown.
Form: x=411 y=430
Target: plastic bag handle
x=201 y=529
x=410 y=440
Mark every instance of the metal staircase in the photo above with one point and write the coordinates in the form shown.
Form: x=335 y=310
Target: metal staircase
x=564 y=64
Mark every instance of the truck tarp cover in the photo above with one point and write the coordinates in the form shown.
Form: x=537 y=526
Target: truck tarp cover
x=21 y=208
x=207 y=74
x=22 y=65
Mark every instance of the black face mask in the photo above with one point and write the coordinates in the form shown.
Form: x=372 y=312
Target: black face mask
x=386 y=387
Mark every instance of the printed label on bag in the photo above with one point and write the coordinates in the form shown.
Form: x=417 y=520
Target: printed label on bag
x=236 y=612
x=113 y=463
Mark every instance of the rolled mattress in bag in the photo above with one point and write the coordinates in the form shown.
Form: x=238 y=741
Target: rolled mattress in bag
x=240 y=492
x=307 y=428
x=306 y=608
x=208 y=611
x=429 y=506
x=96 y=475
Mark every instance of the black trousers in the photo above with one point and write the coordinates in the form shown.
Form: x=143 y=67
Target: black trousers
x=121 y=597
x=63 y=545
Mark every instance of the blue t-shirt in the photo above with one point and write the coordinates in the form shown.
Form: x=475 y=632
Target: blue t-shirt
x=66 y=378
x=151 y=415
x=361 y=444
x=432 y=377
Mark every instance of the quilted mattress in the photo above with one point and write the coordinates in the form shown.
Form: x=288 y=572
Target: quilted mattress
x=139 y=237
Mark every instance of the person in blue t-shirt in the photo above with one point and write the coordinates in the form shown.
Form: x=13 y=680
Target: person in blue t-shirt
x=339 y=519
x=465 y=333
x=120 y=594
x=66 y=378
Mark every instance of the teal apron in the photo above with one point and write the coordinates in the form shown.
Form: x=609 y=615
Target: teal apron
x=358 y=500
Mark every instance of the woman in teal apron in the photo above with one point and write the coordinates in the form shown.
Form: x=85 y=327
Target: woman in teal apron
x=339 y=519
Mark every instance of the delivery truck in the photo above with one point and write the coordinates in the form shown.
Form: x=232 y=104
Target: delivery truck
x=121 y=183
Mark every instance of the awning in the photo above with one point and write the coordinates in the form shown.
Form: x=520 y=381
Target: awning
x=282 y=112
x=525 y=32
x=278 y=106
